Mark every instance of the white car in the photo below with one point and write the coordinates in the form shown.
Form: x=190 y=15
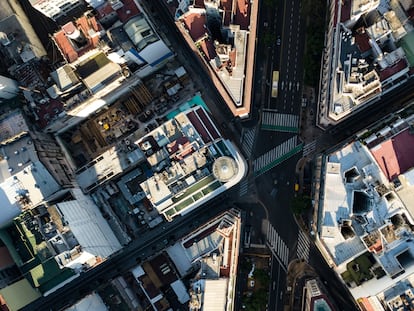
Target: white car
x=278 y=41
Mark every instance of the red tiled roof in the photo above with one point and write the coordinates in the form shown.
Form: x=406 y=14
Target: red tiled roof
x=65 y=46
x=195 y=23
x=199 y=127
x=346 y=10
x=127 y=11
x=175 y=145
x=394 y=155
x=48 y=111
x=104 y=10
x=84 y=24
x=362 y=40
x=389 y=71
x=243 y=14
x=69 y=28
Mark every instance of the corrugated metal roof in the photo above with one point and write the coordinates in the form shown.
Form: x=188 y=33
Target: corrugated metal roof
x=88 y=226
x=215 y=293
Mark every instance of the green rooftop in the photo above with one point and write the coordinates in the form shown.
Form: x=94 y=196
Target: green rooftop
x=407 y=43
x=47 y=275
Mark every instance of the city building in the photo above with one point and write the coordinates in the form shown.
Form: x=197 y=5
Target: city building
x=107 y=55
x=365 y=213
x=208 y=255
x=32 y=167
x=60 y=11
x=8 y=88
x=184 y=163
x=368 y=52
x=52 y=243
x=78 y=37
x=314 y=299
x=19 y=43
x=222 y=33
x=212 y=251
x=49 y=228
x=90 y=302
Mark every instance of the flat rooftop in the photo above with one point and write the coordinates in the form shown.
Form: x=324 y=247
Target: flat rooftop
x=395 y=155
x=231 y=72
x=182 y=153
x=365 y=221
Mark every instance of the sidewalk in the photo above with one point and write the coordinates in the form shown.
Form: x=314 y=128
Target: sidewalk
x=297 y=271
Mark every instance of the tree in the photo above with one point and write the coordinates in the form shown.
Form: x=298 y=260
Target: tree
x=300 y=204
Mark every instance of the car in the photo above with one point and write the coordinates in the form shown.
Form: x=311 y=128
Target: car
x=278 y=41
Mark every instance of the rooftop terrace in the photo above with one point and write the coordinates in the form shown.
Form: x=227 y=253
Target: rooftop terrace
x=365 y=225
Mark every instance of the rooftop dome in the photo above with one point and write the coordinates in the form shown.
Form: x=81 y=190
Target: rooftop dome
x=224 y=168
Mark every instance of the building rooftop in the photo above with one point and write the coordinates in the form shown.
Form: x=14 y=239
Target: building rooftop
x=361 y=64
x=127 y=11
x=25 y=188
x=22 y=43
x=366 y=219
x=316 y=300
x=183 y=177
x=90 y=302
x=394 y=155
x=19 y=294
x=226 y=58
x=78 y=37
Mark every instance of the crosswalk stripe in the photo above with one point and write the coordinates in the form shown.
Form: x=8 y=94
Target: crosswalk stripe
x=277 y=246
x=244 y=187
x=283 y=122
x=303 y=246
x=276 y=155
x=247 y=141
x=309 y=148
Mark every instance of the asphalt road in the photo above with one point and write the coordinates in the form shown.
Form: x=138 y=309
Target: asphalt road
x=347 y=129
x=275 y=189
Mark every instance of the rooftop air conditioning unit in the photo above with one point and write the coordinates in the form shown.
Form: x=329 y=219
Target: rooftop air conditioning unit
x=116 y=4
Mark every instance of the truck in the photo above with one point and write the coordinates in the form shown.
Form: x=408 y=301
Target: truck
x=275 y=83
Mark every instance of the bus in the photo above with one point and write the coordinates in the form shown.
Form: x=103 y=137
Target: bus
x=275 y=82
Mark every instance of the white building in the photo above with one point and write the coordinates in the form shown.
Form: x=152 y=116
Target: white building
x=191 y=163
x=366 y=213
x=56 y=9
x=8 y=88
x=359 y=65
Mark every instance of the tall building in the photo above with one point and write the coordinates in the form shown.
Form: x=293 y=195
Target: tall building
x=364 y=57
x=59 y=10
x=314 y=299
x=366 y=227
x=8 y=88
x=223 y=34
x=19 y=42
